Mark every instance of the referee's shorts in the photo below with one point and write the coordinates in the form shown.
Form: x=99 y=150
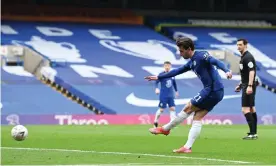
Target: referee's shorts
x=248 y=100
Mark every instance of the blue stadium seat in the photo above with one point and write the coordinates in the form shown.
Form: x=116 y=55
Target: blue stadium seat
x=24 y=95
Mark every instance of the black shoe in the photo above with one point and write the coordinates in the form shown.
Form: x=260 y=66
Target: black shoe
x=255 y=136
x=250 y=137
x=155 y=124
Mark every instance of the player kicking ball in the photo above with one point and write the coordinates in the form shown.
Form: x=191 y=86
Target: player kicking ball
x=166 y=97
x=204 y=67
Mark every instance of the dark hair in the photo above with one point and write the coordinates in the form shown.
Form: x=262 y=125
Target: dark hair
x=243 y=40
x=185 y=42
x=167 y=62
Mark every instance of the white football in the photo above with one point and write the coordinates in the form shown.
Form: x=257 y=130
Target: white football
x=19 y=132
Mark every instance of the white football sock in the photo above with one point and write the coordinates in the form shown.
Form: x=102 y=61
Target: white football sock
x=193 y=134
x=157 y=115
x=172 y=115
x=176 y=121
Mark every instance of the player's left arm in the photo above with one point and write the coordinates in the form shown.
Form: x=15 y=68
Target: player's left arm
x=251 y=77
x=171 y=73
x=156 y=83
x=157 y=91
x=217 y=63
x=250 y=65
x=175 y=87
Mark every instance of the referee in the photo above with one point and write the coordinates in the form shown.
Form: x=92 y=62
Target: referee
x=248 y=87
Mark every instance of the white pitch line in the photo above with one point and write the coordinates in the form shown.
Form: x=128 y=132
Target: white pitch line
x=127 y=153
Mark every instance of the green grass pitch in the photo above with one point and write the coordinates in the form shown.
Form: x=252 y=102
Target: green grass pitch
x=220 y=145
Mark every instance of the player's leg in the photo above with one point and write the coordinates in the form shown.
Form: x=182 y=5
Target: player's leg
x=172 y=108
x=194 y=132
x=246 y=109
x=254 y=114
x=196 y=128
x=172 y=113
x=162 y=105
x=206 y=106
x=157 y=116
x=192 y=106
x=250 y=121
x=253 y=111
x=181 y=116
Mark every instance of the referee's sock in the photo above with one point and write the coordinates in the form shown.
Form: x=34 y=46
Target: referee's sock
x=250 y=121
x=254 y=114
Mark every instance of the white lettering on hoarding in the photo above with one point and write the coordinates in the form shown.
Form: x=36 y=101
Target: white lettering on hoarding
x=267 y=119
x=13 y=119
x=144 y=119
x=207 y=121
x=69 y=120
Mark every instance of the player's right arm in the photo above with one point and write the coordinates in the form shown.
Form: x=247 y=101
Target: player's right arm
x=157 y=91
x=238 y=87
x=176 y=72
